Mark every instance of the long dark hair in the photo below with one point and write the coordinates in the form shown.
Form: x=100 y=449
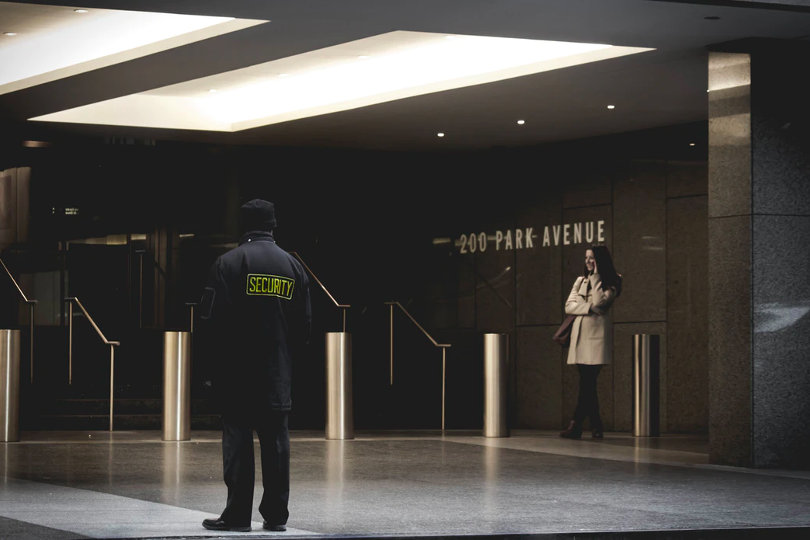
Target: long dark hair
x=607 y=271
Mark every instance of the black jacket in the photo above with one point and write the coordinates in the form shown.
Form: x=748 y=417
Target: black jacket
x=256 y=313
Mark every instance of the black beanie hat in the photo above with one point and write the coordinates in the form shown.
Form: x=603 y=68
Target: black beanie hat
x=258 y=215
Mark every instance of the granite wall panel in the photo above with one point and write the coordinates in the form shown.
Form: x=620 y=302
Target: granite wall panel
x=687 y=305
x=729 y=329
x=639 y=238
x=729 y=134
x=587 y=187
x=538 y=268
x=781 y=165
x=781 y=341
x=781 y=155
x=495 y=291
x=539 y=367
x=686 y=178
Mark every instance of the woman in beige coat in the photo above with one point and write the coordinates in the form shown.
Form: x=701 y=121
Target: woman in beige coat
x=591 y=345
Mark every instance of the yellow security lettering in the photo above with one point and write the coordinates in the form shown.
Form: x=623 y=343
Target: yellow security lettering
x=269 y=285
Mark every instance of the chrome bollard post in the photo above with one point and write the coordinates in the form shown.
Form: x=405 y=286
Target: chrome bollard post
x=496 y=356
x=10 y=385
x=176 y=386
x=339 y=404
x=646 y=389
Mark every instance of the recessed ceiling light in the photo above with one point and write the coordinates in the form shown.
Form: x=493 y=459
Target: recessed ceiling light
x=80 y=11
x=691 y=144
x=440 y=134
x=401 y=64
x=212 y=90
x=611 y=107
x=521 y=122
x=9 y=34
x=36 y=144
x=56 y=45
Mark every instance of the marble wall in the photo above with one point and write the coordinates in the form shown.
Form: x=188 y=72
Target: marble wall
x=652 y=215
x=780 y=199
x=729 y=244
x=759 y=222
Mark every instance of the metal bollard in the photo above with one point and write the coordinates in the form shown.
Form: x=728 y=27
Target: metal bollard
x=10 y=385
x=646 y=389
x=339 y=406
x=176 y=386
x=496 y=355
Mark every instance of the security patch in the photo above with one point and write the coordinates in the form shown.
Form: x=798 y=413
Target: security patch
x=269 y=285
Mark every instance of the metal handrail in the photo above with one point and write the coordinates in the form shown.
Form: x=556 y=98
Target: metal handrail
x=488 y=283
x=161 y=272
x=71 y=300
x=344 y=307
x=31 y=305
x=191 y=306
x=443 y=347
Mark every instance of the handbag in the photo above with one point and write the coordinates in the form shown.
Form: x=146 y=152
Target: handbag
x=563 y=333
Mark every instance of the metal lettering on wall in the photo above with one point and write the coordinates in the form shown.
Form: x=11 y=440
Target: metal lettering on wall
x=587 y=232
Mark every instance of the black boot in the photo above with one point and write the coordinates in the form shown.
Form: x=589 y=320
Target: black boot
x=573 y=431
x=597 y=432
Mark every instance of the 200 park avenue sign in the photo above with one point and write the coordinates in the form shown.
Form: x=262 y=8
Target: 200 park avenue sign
x=565 y=234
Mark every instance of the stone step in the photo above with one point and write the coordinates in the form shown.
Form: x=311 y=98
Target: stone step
x=96 y=422
x=89 y=406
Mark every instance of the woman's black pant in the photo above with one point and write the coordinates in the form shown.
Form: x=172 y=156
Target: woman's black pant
x=588 y=402
x=239 y=466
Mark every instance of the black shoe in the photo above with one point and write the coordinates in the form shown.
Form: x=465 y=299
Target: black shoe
x=270 y=527
x=573 y=431
x=219 y=524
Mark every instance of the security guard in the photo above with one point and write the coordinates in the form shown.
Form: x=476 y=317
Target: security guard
x=256 y=316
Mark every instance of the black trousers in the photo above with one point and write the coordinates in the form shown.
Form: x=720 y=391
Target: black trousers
x=588 y=401
x=239 y=466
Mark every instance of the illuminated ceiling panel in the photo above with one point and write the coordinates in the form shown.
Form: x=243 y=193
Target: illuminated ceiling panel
x=377 y=69
x=53 y=42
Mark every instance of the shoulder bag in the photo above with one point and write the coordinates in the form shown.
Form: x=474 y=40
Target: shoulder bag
x=563 y=333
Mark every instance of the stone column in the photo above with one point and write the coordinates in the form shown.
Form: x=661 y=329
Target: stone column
x=759 y=254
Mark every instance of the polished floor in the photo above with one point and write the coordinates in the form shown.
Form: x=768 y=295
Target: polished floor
x=532 y=484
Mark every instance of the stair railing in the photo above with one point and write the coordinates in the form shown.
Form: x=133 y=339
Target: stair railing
x=161 y=275
x=343 y=307
x=191 y=307
x=31 y=305
x=442 y=346
x=112 y=344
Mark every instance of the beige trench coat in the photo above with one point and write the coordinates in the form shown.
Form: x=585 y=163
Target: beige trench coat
x=592 y=332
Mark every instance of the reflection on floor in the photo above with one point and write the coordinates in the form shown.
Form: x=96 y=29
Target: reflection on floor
x=532 y=484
